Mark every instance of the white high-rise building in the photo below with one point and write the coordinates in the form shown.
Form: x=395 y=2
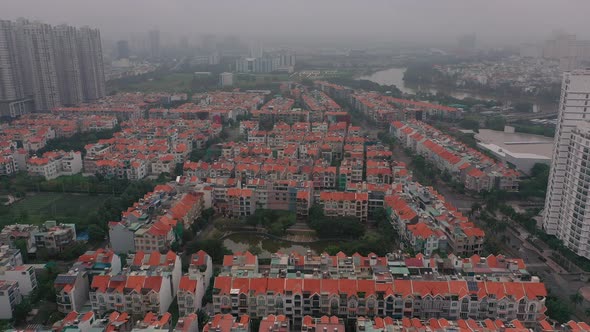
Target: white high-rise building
x=40 y=53
x=52 y=66
x=14 y=100
x=566 y=214
x=68 y=65
x=92 y=65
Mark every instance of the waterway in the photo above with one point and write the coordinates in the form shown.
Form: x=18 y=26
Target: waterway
x=242 y=242
x=395 y=76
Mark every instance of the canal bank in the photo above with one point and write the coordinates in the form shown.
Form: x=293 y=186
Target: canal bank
x=395 y=76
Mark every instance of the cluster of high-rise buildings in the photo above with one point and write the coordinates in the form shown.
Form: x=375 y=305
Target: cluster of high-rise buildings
x=563 y=47
x=283 y=61
x=46 y=66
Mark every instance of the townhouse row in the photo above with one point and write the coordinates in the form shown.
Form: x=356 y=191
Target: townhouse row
x=145 y=282
x=148 y=147
x=157 y=220
x=383 y=109
x=348 y=298
x=117 y=321
x=475 y=170
x=373 y=267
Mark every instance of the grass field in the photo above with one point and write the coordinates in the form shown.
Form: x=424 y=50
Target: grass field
x=174 y=82
x=56 y=206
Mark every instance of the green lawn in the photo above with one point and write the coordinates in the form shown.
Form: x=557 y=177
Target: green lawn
x=173 y=82
x=57 y=206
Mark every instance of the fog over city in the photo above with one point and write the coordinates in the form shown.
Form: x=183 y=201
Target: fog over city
x=347 y=21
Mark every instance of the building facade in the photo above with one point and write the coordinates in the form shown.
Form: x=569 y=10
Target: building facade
x=567 y=192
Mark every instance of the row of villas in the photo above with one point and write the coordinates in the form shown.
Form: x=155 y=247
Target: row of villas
x=294 y=171
x=218 y=106
x=123 y=106
x=428 y=223
x=385 y=109
x=157 y=220
x=117 y=321
x=146 y=282
x=32 y=132
x=474 y=169
x=148 y=147
x=51 y=236
x=372 y=267
x=349 y=298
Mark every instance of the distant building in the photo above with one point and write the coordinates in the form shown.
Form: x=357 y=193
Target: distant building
x=154 y=43
x=226 y=79
x=122 y=49
x=14 y=100
x=48 y=66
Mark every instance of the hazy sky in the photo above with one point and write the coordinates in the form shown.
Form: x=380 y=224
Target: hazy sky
x=494 y=21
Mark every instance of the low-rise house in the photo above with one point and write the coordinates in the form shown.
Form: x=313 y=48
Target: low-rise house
x=10 y=297
x=227 y=323
x=324 y=323
x=25 y=232
x=74 y=320
x=23 y=274
x=55 y=163
x=187 y=323
x=134 y=293
x=345 y=204
x=154 y=323
x=153 y=263
x=55 y=237
x=272 y=323
x=99 y=261
x=71 y=290
x=240 y=264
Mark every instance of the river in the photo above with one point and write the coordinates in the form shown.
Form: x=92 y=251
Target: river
x=395 y=76
x=242 y=242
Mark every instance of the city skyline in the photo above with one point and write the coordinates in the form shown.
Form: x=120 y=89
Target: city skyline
x=328 y=21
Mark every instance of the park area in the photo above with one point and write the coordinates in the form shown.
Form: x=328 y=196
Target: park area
x=36 y=208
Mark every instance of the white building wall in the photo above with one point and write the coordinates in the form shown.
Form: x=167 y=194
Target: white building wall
x=573 y=111
x=121 y=239
x=165 y=296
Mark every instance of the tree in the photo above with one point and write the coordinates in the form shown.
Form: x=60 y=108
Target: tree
x=96 y=233
x=255 y=250
x=21 y=245
x=21 y=310
x=557 y=309
x=202 y=318
x=576 y=298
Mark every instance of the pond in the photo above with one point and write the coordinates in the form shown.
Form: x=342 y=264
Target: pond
x=241 y=242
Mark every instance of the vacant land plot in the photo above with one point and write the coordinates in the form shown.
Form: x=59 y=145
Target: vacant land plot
x=57 y=206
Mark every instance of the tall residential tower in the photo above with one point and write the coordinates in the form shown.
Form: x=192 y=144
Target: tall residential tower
x=567 y=206
x=50 y=66
x=13 y=97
